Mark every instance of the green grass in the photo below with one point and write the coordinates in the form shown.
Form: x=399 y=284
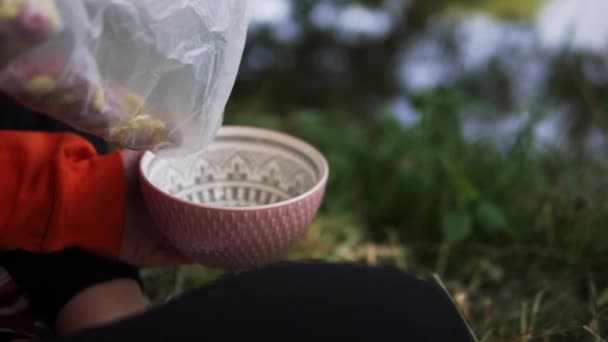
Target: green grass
x=518 y=237
x=510 y=9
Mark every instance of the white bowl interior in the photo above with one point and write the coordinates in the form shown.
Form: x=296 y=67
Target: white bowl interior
x=242 y=167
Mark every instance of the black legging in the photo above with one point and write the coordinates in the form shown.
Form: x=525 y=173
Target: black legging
x=302 y=301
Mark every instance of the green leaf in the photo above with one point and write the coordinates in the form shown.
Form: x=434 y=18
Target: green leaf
x=603 y=298
x=456 y=226
x=491 y=217
x=459 y=179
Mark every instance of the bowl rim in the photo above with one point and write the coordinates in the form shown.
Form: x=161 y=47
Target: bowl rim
x=249 y=130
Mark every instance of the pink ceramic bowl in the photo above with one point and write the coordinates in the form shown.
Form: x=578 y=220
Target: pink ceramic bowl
x=242 y=202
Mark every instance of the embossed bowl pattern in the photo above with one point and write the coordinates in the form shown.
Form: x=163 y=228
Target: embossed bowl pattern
x=242 y=202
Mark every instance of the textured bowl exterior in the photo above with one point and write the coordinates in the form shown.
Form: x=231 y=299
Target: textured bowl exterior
x=234 y=237
x=231 y=239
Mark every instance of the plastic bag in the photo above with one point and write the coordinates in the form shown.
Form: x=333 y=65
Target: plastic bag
x=145 y=74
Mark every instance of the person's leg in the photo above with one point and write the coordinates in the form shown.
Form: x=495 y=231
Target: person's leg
x=101 y=304
x=314 y=302
x=75 y=290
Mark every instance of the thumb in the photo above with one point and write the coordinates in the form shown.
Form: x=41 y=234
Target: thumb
x=161 y=256
x=167 y=256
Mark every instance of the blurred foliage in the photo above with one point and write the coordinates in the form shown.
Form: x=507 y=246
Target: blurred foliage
x=320 y=68
x=509 y=9
x=430 y=181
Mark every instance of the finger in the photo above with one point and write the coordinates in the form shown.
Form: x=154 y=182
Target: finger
x=159 y=257
x=131 y=159
x=165 y=252
x=171 y=257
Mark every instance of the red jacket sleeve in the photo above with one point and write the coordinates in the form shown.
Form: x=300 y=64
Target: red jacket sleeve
x=56 y=193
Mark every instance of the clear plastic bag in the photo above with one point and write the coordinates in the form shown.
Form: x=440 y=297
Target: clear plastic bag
x=145 y=74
